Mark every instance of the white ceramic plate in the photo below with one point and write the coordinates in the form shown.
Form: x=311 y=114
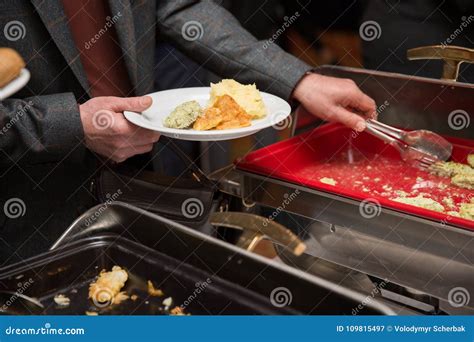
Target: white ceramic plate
x=165 y=101
x=15 y=85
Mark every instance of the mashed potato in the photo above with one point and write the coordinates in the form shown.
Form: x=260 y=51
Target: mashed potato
x=247 y=96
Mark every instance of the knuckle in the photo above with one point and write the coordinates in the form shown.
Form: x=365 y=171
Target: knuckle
x=121 y=156
x=122 y=128
x=350 y=82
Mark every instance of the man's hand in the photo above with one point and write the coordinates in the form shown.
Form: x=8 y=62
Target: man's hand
x=335 y=99
x=109 y=134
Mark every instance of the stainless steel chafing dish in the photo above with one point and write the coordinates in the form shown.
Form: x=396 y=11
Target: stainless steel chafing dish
x=421 y=261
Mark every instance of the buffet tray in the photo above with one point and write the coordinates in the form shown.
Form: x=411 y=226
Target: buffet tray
x=363 y=168
x=176 y=259
x=415 y=248
x=70 y=271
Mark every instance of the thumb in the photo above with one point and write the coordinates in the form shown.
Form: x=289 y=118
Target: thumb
x=134 y=104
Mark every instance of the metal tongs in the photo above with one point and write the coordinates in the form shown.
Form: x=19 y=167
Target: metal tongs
x=419 y=148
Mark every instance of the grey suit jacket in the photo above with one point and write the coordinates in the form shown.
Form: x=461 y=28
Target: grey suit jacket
x=43 y=161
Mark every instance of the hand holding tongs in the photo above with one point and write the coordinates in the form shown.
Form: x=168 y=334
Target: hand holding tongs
x=420 y=148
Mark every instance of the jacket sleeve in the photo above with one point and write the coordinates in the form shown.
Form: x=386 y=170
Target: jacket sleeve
x=40 y=129
x=214 y=38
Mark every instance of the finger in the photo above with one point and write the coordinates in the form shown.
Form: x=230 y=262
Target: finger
x=349 y=119
x=134 y=104
x=363 y=104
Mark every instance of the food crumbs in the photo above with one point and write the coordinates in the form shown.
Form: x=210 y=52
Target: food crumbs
x=327 y=180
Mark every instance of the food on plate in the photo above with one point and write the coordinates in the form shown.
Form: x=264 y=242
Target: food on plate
x=62 y=300
x=224 y=114
x=231 y=105
x=211 y=118
x=184 y=115
x=152 y=291
x=10 y=65
x=421 y=202
x=470 y=160
x=247 y=96
x=106 y=289
x=327 y=180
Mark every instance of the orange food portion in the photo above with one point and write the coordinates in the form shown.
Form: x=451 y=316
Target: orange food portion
x=210 y=119
x=224 y=114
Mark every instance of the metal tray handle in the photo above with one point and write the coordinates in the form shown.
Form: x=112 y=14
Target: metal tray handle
x=256 y=228
x=452 y=56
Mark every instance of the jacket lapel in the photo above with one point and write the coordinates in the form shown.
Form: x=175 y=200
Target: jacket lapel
x=124 y=26
x=52 y=14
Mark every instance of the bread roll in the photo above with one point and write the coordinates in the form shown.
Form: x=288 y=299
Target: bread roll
x=11 y=64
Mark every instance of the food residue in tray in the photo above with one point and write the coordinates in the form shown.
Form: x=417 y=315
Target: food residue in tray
x=62 y=300
x=462 y=175
x=106 y=290
x=152 y=291
x=327 y=180
x=384 y=177
x=421 y=201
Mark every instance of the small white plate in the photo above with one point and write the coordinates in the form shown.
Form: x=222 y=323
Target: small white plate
x=15 y=85
x=165 y=101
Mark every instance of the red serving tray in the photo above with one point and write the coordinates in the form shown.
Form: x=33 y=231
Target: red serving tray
x=364 y=167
